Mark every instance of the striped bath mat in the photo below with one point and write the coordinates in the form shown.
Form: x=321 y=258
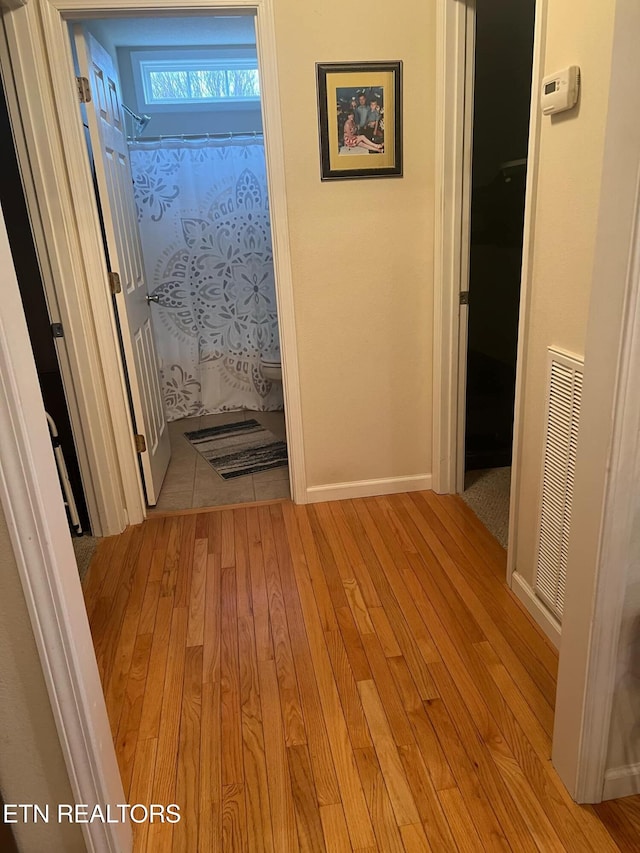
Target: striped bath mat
x=234 y=450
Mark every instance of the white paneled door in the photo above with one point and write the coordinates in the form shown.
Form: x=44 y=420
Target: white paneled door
x=115 y=187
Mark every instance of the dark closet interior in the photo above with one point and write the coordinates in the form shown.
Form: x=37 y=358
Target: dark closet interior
x=503 y=67
x=35 y=304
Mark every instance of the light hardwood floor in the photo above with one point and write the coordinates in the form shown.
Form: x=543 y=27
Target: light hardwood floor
x=344 y=676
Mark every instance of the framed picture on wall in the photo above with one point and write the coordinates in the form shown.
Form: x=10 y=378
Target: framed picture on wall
x=360 y=115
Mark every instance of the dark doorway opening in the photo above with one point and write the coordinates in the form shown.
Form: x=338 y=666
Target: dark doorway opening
x=502 y=94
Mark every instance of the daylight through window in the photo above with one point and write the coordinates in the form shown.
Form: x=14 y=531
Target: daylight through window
x=173 y=83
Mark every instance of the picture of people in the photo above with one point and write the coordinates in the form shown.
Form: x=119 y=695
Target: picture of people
x=360 y=120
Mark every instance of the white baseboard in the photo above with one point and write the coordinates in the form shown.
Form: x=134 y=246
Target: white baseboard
x=621 y=782
x=368 y=488
x=546 y=620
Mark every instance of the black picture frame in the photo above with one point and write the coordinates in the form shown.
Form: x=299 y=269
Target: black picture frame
x=355 y=143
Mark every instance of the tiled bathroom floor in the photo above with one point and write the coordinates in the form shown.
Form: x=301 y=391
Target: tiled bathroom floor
x=191 y=482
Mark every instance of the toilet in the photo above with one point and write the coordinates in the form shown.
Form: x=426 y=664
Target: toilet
x=271 y=366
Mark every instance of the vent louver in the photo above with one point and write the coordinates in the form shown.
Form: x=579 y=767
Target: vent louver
x=561 y=436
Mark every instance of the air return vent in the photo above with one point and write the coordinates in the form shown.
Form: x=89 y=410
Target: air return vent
x=561 y=435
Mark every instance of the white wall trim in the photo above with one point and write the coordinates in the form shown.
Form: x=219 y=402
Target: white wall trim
x=526 y=281
x=619 y=520
x=274 y=148
x=58 y=162
x=621 y=782
x=369 y=488
x=35 y=515
x=541 y=614
x=450 y=115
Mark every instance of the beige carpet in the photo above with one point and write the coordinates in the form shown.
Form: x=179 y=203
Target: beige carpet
x=84 y=546
x=487 y=493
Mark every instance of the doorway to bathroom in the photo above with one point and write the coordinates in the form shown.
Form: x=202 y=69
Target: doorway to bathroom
x=178 y=158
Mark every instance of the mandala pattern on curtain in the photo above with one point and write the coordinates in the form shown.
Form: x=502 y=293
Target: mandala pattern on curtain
x=203 y=213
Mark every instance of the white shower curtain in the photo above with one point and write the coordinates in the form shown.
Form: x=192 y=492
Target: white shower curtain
x=203 y=213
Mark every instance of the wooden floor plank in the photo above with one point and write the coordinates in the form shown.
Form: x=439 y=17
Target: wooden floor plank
x=259 y=596
x=100 y=565
x=400 y=795
x=622 y=820
x=258 y=808
x=510 y=803
x=533 y=750
x=210 y=770
x=406 y=640
x=414 y=838
x=348 y=690
x=459 y=820
x=349 y=676
x=491 y=589
x=384 y=632
x=154 y=687
x=227 y=539
x=171 y=557
x=141 y=790
x=111 y=640
x=147 y=621
x=256 y=787
x=310 y=837
x=195 y=632
x=319 y=751
x=185 y=834
x=465 y=772
x=285 y=835
x=335 y=829
x=212 y=621
x=314 y=568
x=355 y=808
x=354 y=555
x=185 y=562
x=234 y=824
x=380 y=809
x=427 y=799
x=126 y=740
x=283 y=656
x=533 y=651
x=116 y=679
x=232 y=768
x=166 y=767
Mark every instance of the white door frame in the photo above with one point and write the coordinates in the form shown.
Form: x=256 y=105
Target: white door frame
x=596 y=590
x=38 y=62
x=36 y=519
x=454 y=87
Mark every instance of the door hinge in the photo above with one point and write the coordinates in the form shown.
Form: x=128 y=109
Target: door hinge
x=84 y=90
x=141 y=444
x=114 y=283
x=56 y=330
x=464 y=297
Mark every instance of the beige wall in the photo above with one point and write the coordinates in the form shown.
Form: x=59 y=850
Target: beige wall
x=32 y=768
x=361 y=250
x=567 y=199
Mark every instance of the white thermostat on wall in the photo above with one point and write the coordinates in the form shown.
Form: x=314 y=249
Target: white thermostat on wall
x=560 y=90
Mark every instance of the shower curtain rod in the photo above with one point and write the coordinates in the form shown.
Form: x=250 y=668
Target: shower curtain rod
x=251 y=134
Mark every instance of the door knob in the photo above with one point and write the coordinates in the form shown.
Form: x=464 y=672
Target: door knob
x=152 y=298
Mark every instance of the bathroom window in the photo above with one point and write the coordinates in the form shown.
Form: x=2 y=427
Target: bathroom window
x=192 y=78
